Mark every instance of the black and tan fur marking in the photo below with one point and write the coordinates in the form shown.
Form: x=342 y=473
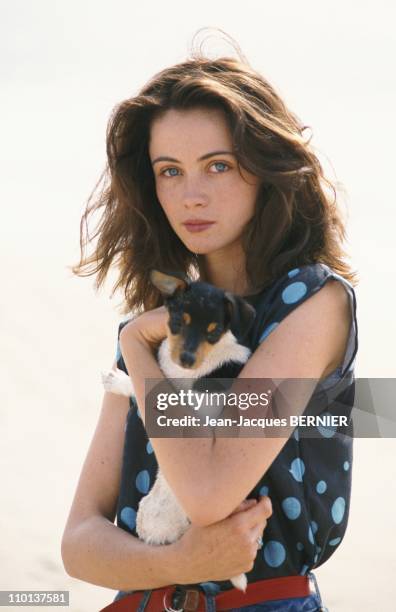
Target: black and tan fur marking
x=199 y=315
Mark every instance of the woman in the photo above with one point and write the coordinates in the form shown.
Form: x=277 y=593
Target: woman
x=211 y=140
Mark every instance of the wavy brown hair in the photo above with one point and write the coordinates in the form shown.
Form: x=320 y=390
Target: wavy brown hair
x=296 y=221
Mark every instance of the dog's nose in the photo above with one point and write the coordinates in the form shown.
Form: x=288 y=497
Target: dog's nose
x=187 y=359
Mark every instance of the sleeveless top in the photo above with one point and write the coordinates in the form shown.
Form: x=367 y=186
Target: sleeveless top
x=309 y=482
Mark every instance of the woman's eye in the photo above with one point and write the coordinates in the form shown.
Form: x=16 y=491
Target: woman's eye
x=221 y=166
x=170 y=170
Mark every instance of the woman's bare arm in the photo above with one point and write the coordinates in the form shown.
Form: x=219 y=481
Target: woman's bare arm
x=93 y=548
x=101 y=553
x=97 y=551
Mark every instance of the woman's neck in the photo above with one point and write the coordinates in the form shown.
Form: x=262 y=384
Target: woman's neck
x=226 y=270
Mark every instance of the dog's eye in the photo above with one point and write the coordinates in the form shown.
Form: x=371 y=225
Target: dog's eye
x=215 y=333
x=212 y=327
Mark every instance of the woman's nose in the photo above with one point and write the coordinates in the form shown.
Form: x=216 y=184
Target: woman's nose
x=195 y=194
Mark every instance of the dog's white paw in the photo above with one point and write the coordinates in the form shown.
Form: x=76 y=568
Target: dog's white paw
x=116 y=381
x=239 y=582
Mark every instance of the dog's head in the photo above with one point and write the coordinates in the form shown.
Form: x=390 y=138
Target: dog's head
x=199 y=316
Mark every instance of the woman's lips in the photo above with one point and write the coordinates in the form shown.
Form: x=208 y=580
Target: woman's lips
x=197 y=227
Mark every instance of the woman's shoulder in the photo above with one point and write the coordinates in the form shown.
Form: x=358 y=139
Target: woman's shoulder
x=290 y=290
x=298 y=283
x=295 y=286
x=118 y=356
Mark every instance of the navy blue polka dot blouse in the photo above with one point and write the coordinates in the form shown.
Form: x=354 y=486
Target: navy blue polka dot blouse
x=309 y=482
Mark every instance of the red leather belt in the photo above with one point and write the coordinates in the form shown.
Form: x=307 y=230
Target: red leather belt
x=193 y=599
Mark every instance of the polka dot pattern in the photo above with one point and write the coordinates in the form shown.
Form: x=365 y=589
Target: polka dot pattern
x=308 y=482
x=118 y=351
x=311 y=535
x=143 y=481
x=338 y=510
x=293 y=272
x=327 y=431
x=334 y=541
x=274 y=553
x=297 y=469
x=268 y=330
x=294 y=292
x=128 y=516
x=291 y=507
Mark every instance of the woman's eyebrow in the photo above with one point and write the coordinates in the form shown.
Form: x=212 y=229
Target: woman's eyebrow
x=211 y=154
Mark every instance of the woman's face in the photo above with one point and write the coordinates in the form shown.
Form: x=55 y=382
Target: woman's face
x=197 y=178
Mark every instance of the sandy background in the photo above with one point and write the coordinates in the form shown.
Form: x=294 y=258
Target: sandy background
x=64 y=65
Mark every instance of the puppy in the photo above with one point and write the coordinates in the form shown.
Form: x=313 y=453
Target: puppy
x=205 y=331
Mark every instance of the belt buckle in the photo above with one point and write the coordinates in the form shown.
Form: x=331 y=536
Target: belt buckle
x=187 y=598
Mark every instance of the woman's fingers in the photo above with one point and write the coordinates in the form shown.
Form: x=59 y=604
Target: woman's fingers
x=259 y=528
x=257 y=515
x=247 y=503
x=265 y=506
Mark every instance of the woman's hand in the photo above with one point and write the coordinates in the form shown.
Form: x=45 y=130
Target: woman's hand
x=224 y=549
x=150 y=327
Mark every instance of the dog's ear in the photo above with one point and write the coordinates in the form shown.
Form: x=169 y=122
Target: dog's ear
x=239 y=315
x=169 y=283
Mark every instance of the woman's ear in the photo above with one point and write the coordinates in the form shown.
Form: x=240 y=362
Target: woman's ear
x=239 y=315
x=169 y=283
